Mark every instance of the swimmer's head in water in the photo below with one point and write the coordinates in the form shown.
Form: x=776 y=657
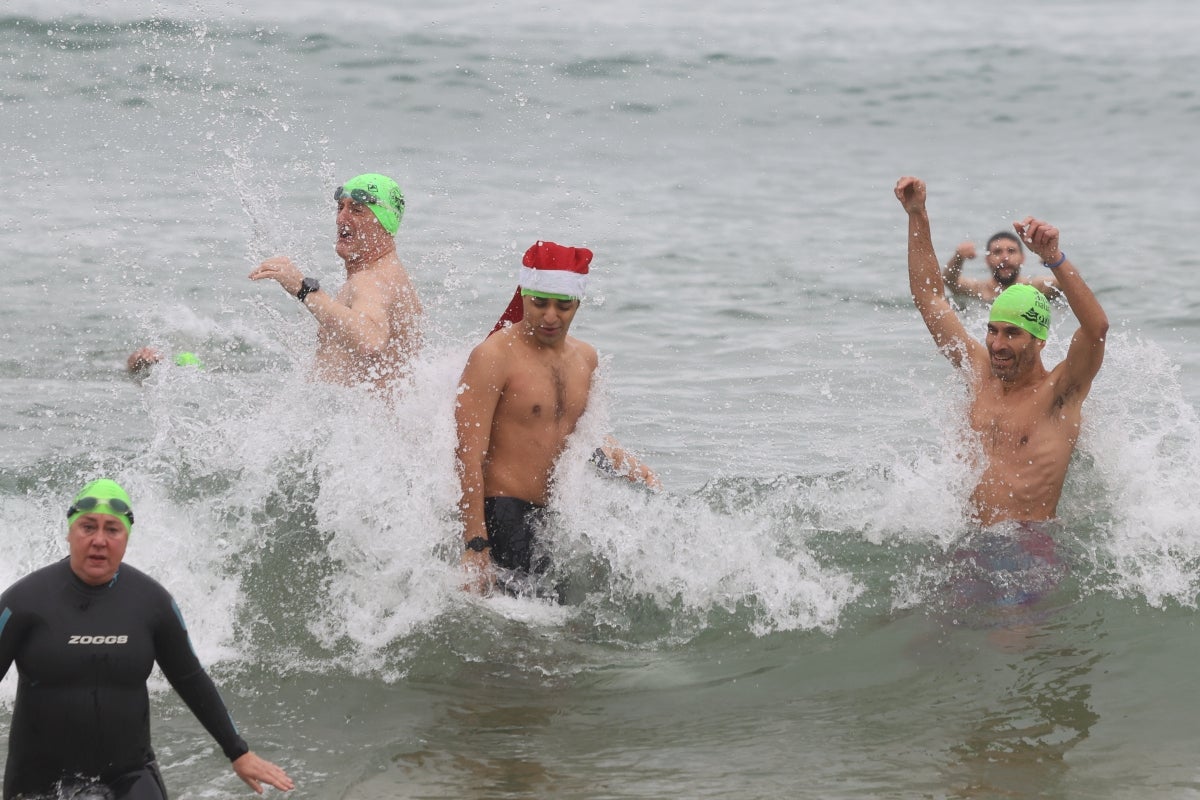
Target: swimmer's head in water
x=186 y=359
x=103 y=496
x=378 y=193
x=1008 y=236
x=1005 y=255
x=1023 y=306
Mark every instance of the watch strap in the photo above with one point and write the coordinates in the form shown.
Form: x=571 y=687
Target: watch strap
x=307 y=287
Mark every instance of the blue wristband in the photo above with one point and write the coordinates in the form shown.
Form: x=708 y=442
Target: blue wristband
x=1056 y=264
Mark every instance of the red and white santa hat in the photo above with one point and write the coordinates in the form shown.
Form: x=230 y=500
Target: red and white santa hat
x=550 y=270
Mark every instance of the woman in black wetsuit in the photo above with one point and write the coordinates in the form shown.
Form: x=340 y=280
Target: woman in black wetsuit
x=84 y=633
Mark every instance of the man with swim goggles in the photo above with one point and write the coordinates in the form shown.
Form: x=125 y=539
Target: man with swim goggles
x=371 y=328
x=85 y=632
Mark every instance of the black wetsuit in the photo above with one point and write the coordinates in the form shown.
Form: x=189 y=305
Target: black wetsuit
x=83 y=654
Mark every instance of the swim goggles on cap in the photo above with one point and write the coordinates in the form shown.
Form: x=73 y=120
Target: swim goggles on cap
x=86 y=504
x=357 y=195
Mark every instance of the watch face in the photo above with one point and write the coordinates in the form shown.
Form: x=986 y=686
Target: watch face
x=307 y=287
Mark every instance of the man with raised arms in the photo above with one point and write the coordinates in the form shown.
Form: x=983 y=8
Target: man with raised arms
x=369 y=331
x=1026 y=416
x=1004 y=256
x=520 y=396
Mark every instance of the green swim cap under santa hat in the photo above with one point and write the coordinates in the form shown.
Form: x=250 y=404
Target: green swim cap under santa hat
x=551 y=271
x=379 y=193
x=1024 y=306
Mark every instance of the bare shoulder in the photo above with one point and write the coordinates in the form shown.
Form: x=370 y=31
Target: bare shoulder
x=378 y=280
x=971 y=287
x=361 y=287
x=494 y=353
x=385 y=277
x=584 y=351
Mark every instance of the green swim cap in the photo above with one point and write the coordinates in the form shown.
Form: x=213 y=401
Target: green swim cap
x=103 y=496
x=545 y=295
x=1023 y=306
x=380 y=194
x=186 y=359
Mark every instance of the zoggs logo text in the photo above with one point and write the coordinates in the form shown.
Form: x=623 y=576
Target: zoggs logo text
x=98 y=639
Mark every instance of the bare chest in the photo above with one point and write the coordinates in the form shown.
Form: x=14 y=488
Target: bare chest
x=546 y=394
x=1004 y=427
x=1023 y=423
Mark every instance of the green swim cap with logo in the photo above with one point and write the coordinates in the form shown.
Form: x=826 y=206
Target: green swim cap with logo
x=103 y=496
x=1023 y=306
x=379 y=193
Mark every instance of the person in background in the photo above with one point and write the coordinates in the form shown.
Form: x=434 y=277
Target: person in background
x=141 y=360
x=1004 y=255
x=369 y=331
x=85 y=633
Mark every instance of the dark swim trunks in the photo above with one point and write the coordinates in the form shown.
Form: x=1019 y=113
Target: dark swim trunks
x=513 y=526
x=1011 y=564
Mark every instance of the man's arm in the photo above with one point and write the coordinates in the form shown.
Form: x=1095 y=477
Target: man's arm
x=952 y=273
x=479 y=391
x=614 y=459
x=362 y=327
x=925 y=280
x=1086 y=352
x=1047 y=286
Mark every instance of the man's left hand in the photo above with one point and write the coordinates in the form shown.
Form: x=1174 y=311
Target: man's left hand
x=281 y=269
x=481 y=572
x=911 y=193
x=1042 y=238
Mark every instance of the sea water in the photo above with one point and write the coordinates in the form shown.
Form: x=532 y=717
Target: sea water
x=777 y=621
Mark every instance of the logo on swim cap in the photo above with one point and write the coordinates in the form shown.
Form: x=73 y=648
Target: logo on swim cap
x=1024 y=306
x=379 y=193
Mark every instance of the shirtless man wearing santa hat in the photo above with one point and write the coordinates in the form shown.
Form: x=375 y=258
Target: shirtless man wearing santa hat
x=520 y=395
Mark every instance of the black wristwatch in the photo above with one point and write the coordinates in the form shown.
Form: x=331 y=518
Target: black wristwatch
x=478 y=544
x=307 y=287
